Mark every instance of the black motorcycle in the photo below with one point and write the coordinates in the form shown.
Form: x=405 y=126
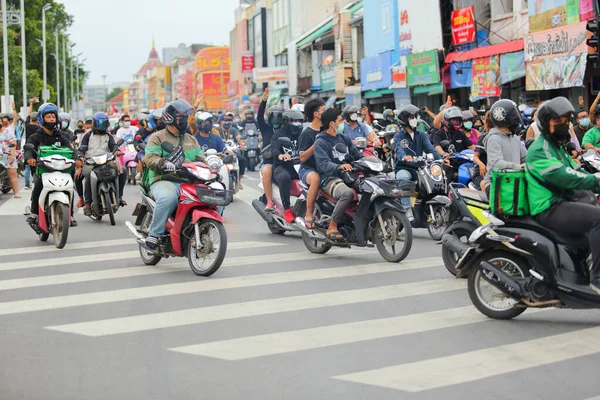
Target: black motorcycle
x=377 y=217
x=519 y=263
x=252 y=146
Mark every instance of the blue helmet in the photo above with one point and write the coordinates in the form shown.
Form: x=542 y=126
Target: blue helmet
x=44 y=109
x=100 y=122
x=153 y=118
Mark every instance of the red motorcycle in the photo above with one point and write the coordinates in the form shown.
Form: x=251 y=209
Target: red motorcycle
x=196 y=229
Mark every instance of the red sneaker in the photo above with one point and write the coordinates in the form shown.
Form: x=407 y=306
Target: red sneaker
x=289 y=216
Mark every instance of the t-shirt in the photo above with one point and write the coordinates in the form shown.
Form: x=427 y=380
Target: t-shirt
x=592 y=136
x=307 y=139
x=30 y=129
x=480 y=147
x=211 y=142
x=7 y=136
x=579 y=132
x=458 y=139
x=126 y=133
x=360 y=130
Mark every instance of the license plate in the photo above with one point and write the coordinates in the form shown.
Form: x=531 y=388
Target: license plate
x=460 y=262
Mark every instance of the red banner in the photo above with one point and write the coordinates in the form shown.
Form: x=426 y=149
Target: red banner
x=247 y=63
x=486 y=77
x=463 y=26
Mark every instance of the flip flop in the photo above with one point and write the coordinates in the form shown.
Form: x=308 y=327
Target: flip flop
x=17 y=196
x=309 y=223
x=335 y=236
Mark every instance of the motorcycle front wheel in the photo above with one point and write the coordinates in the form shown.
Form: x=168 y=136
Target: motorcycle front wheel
x=462 y=230
x=206 y=257
x=109 y=207
x=396 y=230
x=251 y=164
x=313 y=245
x=437 y=226
x=60 y=224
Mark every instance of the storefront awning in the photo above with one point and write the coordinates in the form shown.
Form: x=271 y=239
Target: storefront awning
x=316 y=34
x=480 y=52
x=373 y=94
x=436 y=88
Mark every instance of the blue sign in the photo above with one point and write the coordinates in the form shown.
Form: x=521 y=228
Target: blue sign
x=376 y=72
x=461 y=74
x=380 y=26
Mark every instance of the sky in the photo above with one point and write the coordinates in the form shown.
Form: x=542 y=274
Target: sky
x=116 y=35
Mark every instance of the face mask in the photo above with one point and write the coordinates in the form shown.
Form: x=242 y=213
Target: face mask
x=413 y=123
x=50 y=125
x=360 y=119
x=181 y=123
x=237 y=120
x=340 y=129
x=79 y=126
x=585 y=122
x=227 y=125
x=206 y=128
x=479 y=127
x=297 y=127
x=468 y=125
x=126 y=124
x=353 y=117
x=249 y=119
x=561 y=133
x=64 y=124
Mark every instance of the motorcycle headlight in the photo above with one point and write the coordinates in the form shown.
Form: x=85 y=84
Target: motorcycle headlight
x=230 y=167
x=215 y=163
x=59 y=164
x=99 y=160
x=204 y=173
x=131 y=148
x=436 y=171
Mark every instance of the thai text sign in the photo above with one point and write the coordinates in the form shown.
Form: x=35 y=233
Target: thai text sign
x=463 y=25
x=486 y=77
x=422 y=68
x=270 y=74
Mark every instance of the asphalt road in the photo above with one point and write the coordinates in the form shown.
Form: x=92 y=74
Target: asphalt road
x=275 y=322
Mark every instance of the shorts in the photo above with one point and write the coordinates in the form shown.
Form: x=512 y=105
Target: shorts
x=304 y=172
x=266 y=163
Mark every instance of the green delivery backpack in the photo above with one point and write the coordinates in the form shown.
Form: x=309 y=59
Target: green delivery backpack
x=508 y=193
x=45 y=151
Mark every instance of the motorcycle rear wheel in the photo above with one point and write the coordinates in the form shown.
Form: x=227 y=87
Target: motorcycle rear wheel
x=212 y=234
x=510 y=264
x=251 y=164
x=132 y=173
x=109 y=208
x=60 y=224
x=395 y=223
x=462 y=230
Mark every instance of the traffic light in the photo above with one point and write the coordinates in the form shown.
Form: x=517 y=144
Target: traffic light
x=593 y=42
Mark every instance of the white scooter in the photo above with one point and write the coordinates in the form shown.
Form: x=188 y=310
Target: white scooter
x=220 y=163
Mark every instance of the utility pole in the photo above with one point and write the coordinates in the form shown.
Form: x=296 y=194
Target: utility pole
x=5 y=51
x=23 y=60
x=72 y=95
x=65 y=71
x=46 y=7
x=105 y=92
x=57 y=71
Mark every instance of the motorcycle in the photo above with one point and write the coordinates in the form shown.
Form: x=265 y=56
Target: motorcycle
x=196 y=230
x=233 y=167
x=252 y=146
x=276 y=220
x=104 y=181
x=128 y=160
x=217 y=162
x=20 y=163
x=463 y=163
x=54 y=166
x=376 y=218
x=466 y=212
x=522 y=264
x=4 y=179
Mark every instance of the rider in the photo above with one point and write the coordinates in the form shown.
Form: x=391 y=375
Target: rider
x=47 y=135
x=553 y=177
x=126 y=131
x=98 y=142
x=283 y=169
x=452 y=132
x=152 y=124
x=65 y=121
x=418 y=142
x=164 y=184
x=231 y=133
x=331 y=164
x=467 y=127
x=208 y=136
x=314 y=108
x=388 y=118
x=353 y=128
x=248 y=119
x=267 y=130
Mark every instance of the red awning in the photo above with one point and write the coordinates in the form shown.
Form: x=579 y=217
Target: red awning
x=480 y=52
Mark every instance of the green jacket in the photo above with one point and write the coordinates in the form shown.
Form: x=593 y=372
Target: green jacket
x=155 y=155
x=592 y=136
x=552 y=165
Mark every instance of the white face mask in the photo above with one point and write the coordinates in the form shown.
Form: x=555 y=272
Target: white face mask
x=360 y=119
x=353 y=117
x=413 y=123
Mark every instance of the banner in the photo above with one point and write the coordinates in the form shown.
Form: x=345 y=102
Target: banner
x=486 y=77
x=212 y=85
x=399 y=77
x=512 y=66
x=557 y=72
x=461 y=74
x=422 y=68
x=210 y=59
x=572 y=11
x=550 y=14
x=327 y=78
x=555 y=42
x=270 y=74
x=463 y=25
x=586 y=10
x=247 y=63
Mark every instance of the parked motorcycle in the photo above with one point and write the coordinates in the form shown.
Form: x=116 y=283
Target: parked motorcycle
x=197 y=230
x=376 y=217
x=105 y=186
x=233 y=167
x=252 y=146
x=128 y=160
x=54 y=167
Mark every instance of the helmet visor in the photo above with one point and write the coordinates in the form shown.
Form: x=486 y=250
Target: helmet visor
x=102 y=124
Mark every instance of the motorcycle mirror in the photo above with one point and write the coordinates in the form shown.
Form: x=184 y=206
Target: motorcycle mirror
x=12 y=145
x=142 y=146
x=120 y=142
x=138 y=137
x=404 y=143
x=429 y=156
x=211 y=152
x=228 y=159
x=285 y=141
x=29 y=147
x=83 y=149
x=445 y=144
x=341 y=148
x=168 y=147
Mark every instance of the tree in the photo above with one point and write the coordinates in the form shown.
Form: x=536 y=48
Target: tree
x=114 y=92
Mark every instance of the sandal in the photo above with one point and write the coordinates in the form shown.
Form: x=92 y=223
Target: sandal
x=309 y=223
x=17 y=196
x=335 y=236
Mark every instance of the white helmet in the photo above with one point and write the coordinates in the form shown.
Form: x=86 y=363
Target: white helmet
x=298 y=107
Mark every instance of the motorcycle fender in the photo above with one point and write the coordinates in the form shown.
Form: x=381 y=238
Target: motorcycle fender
x=467 y=263
x=140 y=212
x=200 y=213
x=441 y=200
x=251 y=153
x=387 y=204
x=60 y=197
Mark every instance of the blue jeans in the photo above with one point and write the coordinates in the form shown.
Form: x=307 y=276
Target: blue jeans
x=166 y=195
x=404 y=175
x=27 y=175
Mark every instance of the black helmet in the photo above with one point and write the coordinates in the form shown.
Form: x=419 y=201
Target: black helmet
x=388 y=115
x=505 y=114
x=274 y=116
x=406 y=113
x=348 y=111
x=452 y=113
x=292 y=121
x=176 y=114
x=551 y=109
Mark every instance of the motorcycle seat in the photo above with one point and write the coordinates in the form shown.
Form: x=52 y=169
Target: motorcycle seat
x=577 y=240
x=476 y=195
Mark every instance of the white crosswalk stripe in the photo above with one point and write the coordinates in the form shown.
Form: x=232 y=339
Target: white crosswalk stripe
x=253 y=308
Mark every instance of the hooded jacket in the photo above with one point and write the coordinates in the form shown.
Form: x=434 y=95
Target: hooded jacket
x=328 y=159
x=279 y=149
x=41 y=138
x=419 y=144
x=503 y=152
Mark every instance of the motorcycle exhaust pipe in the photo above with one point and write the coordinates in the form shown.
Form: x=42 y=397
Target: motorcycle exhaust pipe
x=454 y=243
x=138 y=238
x=500 y=280
x=313 y=234
x=259 y=206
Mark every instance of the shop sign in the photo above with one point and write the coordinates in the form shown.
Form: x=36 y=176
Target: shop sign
x=213 y=58
x=376 y=72
x=247 y=63
x=270 y=74
x=422 y=68
x=556 y=73
x=413 y=34
x=213 y=86
x=399 y=76
x=486 y=77
x=327 y=78
x=586 y=10
x=463 y=26
x=555 y=42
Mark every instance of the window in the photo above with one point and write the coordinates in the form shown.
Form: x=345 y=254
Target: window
x=501 y=7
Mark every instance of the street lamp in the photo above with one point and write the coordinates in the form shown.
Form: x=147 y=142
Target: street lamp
x=46 y=7
x=105 y=92
x=23 y=58
x=65 y=71
x=72 y=94
x=57 y=56
x=77 y=97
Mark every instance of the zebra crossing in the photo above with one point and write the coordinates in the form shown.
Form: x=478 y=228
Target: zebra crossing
x=404 y=311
